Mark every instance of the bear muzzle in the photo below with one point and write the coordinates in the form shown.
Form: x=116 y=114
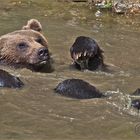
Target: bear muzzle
x=43 y=54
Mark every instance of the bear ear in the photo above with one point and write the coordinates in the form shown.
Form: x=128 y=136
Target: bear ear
x=34 y=25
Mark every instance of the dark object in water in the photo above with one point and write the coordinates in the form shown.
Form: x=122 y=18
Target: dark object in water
x=10 y=81
x=137 y=92
x=77 y=88
x=136 y=104
x=86 y=54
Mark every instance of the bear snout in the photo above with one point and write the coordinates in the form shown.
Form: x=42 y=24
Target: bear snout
x=43 y=54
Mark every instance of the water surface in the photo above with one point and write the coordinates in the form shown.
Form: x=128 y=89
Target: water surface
x=35 y=112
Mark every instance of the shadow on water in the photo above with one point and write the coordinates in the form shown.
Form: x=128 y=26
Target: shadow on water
x=36 y=112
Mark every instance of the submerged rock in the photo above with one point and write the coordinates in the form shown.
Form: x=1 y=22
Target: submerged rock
x=121 y=6
x=77 y=88
x=117 y=6
x=10 y=81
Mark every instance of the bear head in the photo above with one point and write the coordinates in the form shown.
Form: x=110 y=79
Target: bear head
x=25 y=48
x=87 y=54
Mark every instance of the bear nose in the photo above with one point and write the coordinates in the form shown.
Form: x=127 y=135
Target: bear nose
x=43 y=53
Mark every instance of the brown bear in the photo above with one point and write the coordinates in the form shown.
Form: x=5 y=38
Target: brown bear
x=87 y=54
x=9 y=81
x=78 y=89
x=26 y=48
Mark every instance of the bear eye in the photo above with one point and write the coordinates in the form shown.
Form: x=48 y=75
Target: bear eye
x=39 y=40
x=22 y=46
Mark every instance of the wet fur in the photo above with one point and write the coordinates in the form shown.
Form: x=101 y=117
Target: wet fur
x=9 y=81
x=87 y=48
x=26 y=55
x=77 y=88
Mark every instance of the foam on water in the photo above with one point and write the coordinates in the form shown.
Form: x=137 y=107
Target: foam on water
x=122 y=102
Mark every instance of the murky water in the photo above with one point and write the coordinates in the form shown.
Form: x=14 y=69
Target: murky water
x=36 y=112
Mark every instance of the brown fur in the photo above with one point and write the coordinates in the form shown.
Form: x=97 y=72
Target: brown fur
x=26 y=47
x=34 y=25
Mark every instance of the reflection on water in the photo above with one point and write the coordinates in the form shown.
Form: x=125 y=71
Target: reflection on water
x=36 y=112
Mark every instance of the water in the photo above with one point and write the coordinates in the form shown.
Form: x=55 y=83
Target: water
x=35 y=112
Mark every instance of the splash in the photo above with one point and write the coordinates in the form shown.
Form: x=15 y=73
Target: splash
x=121 y=101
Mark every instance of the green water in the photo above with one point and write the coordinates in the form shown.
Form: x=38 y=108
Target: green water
x=36 y=112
